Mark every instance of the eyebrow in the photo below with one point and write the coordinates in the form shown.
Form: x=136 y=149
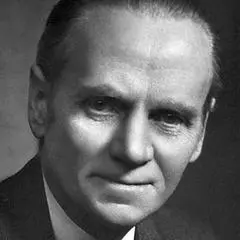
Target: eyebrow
x=105 y=89
x=186 y=109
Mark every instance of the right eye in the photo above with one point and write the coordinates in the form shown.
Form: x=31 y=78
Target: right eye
x=102 y=107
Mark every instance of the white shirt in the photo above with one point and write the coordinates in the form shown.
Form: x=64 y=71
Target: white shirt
x=63 y=227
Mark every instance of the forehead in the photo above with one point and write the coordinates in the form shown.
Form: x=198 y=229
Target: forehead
x=150 y=41
x=125 y=41
x=109 y=30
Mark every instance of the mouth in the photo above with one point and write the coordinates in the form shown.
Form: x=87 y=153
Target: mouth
x=123 y=181
x=122 y=189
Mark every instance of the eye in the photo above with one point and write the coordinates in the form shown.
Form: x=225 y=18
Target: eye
x=167 y=117
x=168 y=120
x=171 y=119
x=101 y=104
x=102 y=107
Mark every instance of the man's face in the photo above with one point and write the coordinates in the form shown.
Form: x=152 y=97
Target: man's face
x=127 y=114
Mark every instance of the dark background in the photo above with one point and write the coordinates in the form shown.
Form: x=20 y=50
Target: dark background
x=210 y=188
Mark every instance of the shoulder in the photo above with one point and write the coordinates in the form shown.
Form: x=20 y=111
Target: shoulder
x=15 y=186
x=176 y=224
x=10 y=189
x=22 y=202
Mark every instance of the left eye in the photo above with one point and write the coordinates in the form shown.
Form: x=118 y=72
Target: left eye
x=172 y=119
x=167 y=117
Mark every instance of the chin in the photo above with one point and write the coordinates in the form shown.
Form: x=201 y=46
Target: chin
x=121 y=215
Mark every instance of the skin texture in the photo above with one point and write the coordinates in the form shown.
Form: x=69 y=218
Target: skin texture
x=126 y=117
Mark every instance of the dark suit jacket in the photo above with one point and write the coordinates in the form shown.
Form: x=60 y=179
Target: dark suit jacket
x=24 y=213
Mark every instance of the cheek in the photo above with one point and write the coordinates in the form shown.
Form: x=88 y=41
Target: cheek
x=173 y=157
x=89 y=137
x=74 y=146
x=75 y=142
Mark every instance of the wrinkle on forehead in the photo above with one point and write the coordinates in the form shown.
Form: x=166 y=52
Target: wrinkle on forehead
x=103 y=28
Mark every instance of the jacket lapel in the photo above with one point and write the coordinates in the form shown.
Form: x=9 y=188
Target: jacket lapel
x=28 y=206
x=146 y=231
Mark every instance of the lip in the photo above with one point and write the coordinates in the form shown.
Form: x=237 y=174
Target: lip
x=121 y=192
x=123 y=181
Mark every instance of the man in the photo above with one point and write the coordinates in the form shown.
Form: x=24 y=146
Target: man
x=119 y=99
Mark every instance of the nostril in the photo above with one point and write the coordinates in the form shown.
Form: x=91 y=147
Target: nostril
x=140 y=155
x=136 y=153
x=130 y=156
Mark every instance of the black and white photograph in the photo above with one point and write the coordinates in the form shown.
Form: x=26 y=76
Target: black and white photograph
x=119 y=120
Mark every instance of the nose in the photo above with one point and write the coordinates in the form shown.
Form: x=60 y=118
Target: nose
x=131 y=144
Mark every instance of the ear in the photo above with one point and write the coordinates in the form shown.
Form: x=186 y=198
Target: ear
x=39 y=90
x=198 y=149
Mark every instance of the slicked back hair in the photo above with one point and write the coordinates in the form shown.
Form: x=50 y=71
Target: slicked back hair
x=51 y=56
